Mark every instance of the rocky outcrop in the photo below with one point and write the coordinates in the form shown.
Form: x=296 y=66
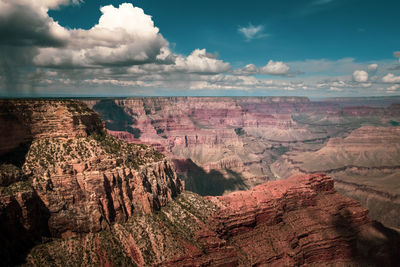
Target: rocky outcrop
x=90 y=201
x=73 y=178
x=24 y=120
x=296 y=222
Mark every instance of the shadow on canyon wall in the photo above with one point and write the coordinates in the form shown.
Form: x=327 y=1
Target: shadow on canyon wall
x=213 y=183
x=115 y=117
x=22 y=227
x=374 y=246
x=17 y=156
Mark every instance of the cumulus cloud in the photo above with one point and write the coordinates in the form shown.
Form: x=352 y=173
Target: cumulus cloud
x=124 y=36
x=391 y=78
x=272 y=68
x=252 y=32
x=25 y=26
x=199 y=61
x=125 y=51
x=28 y=26
x=360 y=76
x=275 y=68
x=124 y=48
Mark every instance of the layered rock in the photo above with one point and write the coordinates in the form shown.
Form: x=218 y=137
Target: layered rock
x=237 y=136
x=299 y=221
x=365 y=165
x=71 y=177
x=214 y=133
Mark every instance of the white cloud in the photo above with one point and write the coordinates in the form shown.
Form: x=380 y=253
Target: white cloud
x=391 y=78
x=275 y=68
x=272 y=68
x=360 y=76
x=252 y=32
x=249 y=69
x=199 y=61
x=393 y=88
x=126 y=51
x=126 y=37
x=115 y=82
x=123 y=36
x=372 y=67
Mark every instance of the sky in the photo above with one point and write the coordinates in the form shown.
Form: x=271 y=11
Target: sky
x=314 y=48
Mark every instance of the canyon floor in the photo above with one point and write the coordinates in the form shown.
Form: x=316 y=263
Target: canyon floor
x=266 y=181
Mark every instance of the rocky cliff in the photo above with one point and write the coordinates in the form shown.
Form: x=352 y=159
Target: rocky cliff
x=225 y=144
x=301 y=221
x=62 y=175
x=226 y=137
x=365 y=165
x=73 y=195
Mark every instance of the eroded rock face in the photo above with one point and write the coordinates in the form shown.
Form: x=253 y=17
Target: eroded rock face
x=233 y=141
x=228 y=137
x=92 y=200
x=73 y=178
x=114 y=203
x=365 y=166
x=221 y=145
x=299 y=221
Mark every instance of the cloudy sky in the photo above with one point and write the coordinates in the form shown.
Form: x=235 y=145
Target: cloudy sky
x=315 y=48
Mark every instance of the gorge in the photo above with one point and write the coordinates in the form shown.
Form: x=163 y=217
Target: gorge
x=73 y=194
x=223 y=144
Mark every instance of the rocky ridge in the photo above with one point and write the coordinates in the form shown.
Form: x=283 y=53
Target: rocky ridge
x=71 y=177
x=296 y=222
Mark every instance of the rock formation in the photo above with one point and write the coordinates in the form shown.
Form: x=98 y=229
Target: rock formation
x=71 y=194
x=299 y=221
x=225 y=144
x=71 y=177
x=365 y=165
x=226 y=137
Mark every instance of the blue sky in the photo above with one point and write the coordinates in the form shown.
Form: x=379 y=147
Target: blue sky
x=179 y=47
x=296 y=29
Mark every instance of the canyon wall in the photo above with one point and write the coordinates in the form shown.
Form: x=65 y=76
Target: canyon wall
x=70 y=177
x=225 y=144
x=301 y=221
x=230 y=139
x=365 y=166
x=71 y=194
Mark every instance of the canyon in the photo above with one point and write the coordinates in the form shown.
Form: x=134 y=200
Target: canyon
x=223 y=144
x=72 y=193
